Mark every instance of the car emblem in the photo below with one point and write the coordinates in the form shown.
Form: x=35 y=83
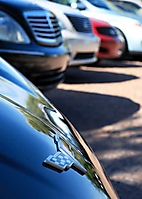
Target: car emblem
x=49 y=22
x=63 y=159
x=85 y=25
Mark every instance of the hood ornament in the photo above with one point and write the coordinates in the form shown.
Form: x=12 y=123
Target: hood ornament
x=64 y=158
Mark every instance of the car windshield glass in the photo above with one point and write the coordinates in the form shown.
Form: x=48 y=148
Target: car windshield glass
x=112 y=6
x=131 y=4
x=99 y=3
x=64 y=2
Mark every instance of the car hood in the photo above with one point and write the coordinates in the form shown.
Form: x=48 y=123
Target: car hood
x=100 y=23
x=20 y=5
x=41 y=154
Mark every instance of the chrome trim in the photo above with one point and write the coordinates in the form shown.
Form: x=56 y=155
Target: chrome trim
x=22 y=52
x=47 y=35
x=45 y=27
x=73 y=62
x=64 y=158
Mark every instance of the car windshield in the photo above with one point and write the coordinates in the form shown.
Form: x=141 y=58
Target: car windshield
x=64 y=2
x=112 y=6
x=99 y=4
x=127 y=7
x=131 y=5
x=105 y=4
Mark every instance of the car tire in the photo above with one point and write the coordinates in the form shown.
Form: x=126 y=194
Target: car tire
x=124 y=49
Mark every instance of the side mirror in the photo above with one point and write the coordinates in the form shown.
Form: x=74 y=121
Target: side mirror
x=78 y=5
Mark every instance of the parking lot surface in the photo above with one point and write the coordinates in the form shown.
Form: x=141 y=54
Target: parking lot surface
x=104 y=104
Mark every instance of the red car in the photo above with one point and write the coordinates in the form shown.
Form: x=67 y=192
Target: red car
x=111 y=42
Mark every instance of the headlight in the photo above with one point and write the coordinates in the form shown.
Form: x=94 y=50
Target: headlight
x=11 y=31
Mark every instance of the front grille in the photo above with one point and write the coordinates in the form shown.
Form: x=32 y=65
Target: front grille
x=84 y=56
x=48 y=79
x=81 y=24
x=45 y=27
x=109 y=31
x=103 y=50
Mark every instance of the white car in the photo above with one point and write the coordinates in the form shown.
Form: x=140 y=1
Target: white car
x=77 y=31
x=129 y=26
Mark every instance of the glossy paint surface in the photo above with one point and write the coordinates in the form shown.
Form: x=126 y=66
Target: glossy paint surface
x=110 y=44
x=28 y=126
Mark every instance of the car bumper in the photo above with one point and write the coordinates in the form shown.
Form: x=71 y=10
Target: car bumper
x=110 y=48
x=84 y=47
x=45 y=68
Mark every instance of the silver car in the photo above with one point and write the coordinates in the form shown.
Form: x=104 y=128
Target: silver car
x=77 y=31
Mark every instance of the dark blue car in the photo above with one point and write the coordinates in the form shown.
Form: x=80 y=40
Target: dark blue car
x=41 y=153
x=31 y=40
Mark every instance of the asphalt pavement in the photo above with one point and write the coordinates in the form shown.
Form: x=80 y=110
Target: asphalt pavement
x=104 y=104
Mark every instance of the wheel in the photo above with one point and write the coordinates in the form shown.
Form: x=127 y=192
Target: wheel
x=123 y=50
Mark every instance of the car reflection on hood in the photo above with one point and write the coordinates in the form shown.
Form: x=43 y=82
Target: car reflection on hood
x=41 y=153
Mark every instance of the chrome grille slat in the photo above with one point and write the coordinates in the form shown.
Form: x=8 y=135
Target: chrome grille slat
x=46 y=29
x=52 y=35
x=47 y=32
x=44 y=26
x=39 y=25
x=37 y=20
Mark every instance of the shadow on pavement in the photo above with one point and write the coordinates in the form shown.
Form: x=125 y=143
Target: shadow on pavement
x=123 y=188
x=75 y=75
x=118 y=149
x=118 y=64
x=101 y=110
x=120 y=153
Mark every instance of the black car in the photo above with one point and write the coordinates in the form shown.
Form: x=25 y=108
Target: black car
x=31 y=40
x=41 y=153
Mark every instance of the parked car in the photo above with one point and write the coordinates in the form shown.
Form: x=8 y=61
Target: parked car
x=76 y=31
x=134 y=25
x=31 y=40
x=41 y=153
x=112 y=44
